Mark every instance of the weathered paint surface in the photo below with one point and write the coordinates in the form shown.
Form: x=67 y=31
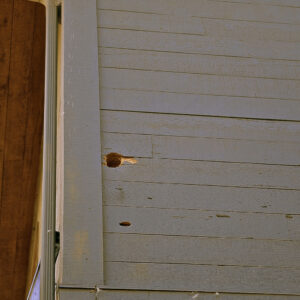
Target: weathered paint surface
x=67 y=294
x=80 y=259
x=206 y=183
x=205 y=95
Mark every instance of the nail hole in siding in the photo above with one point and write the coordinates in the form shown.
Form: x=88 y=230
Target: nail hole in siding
x=222 y=216
x=125 y=223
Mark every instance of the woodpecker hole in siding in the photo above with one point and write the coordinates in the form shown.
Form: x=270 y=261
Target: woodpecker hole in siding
x=114 y=160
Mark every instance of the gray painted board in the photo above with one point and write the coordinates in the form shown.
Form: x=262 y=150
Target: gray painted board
x=184 y=277
x=208 y=149
x=81 y=236
x=196 y=104
x=205 y=198
x=200 y=84
x=202 y=224
x=192 y=44
x=213 y=201
x=233 y=29
x=70 y=294
x=288 y=3
x=194 y=126
x=127 y=144
x=150 y=22
x=207 y=173
x=198 y=63
x=209 y=9
x=122 y=247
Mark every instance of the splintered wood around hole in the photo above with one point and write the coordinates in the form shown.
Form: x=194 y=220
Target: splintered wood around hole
x=114 y=160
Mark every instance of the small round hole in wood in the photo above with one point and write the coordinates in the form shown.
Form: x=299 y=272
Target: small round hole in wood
x=125 y=223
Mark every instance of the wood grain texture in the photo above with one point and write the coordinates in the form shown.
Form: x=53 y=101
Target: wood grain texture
x=200 y=250
x=201 y=84
x=168 y=42
x=205 y=198
x=209 y=9
x=193 y=126
x=245 y=280
x=203 y=224
x=71 y=294
x=21 y=120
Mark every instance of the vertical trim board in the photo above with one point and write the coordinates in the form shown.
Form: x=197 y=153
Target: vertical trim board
x=82 y=219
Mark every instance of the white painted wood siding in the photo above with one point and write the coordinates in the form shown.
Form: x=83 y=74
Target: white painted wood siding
x=206 y=95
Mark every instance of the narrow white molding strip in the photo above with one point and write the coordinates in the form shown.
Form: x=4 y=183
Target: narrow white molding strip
x=47 y=287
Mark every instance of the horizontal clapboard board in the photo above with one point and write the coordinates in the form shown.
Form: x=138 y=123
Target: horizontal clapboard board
x=202 y=224
x=199 y=64
x=194 y=126
x=231 y=29
x=205 y=198
x=204 y=149
x=182 y=43
x=124 y=247
x=209 y=9
x=152 y=276
x=192 y=104
x=200 y=84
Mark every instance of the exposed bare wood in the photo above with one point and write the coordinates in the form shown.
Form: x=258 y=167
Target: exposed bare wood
x=21 y=132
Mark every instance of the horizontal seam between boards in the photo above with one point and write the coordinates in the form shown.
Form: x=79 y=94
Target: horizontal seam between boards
x=205 y=236
x=203 y=17
x=255 y=3
x=205 y=74
x=142 y=30
x=206 y=210
x=212 y=185
x=200 y=94
x=199 y=53
x=209 y=116
x=199 y=137
x=215 y=161
x=111 y=288
x=202 y=264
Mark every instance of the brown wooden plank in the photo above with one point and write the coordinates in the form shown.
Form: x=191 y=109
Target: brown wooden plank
x=6 y=11
x=20 y=133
